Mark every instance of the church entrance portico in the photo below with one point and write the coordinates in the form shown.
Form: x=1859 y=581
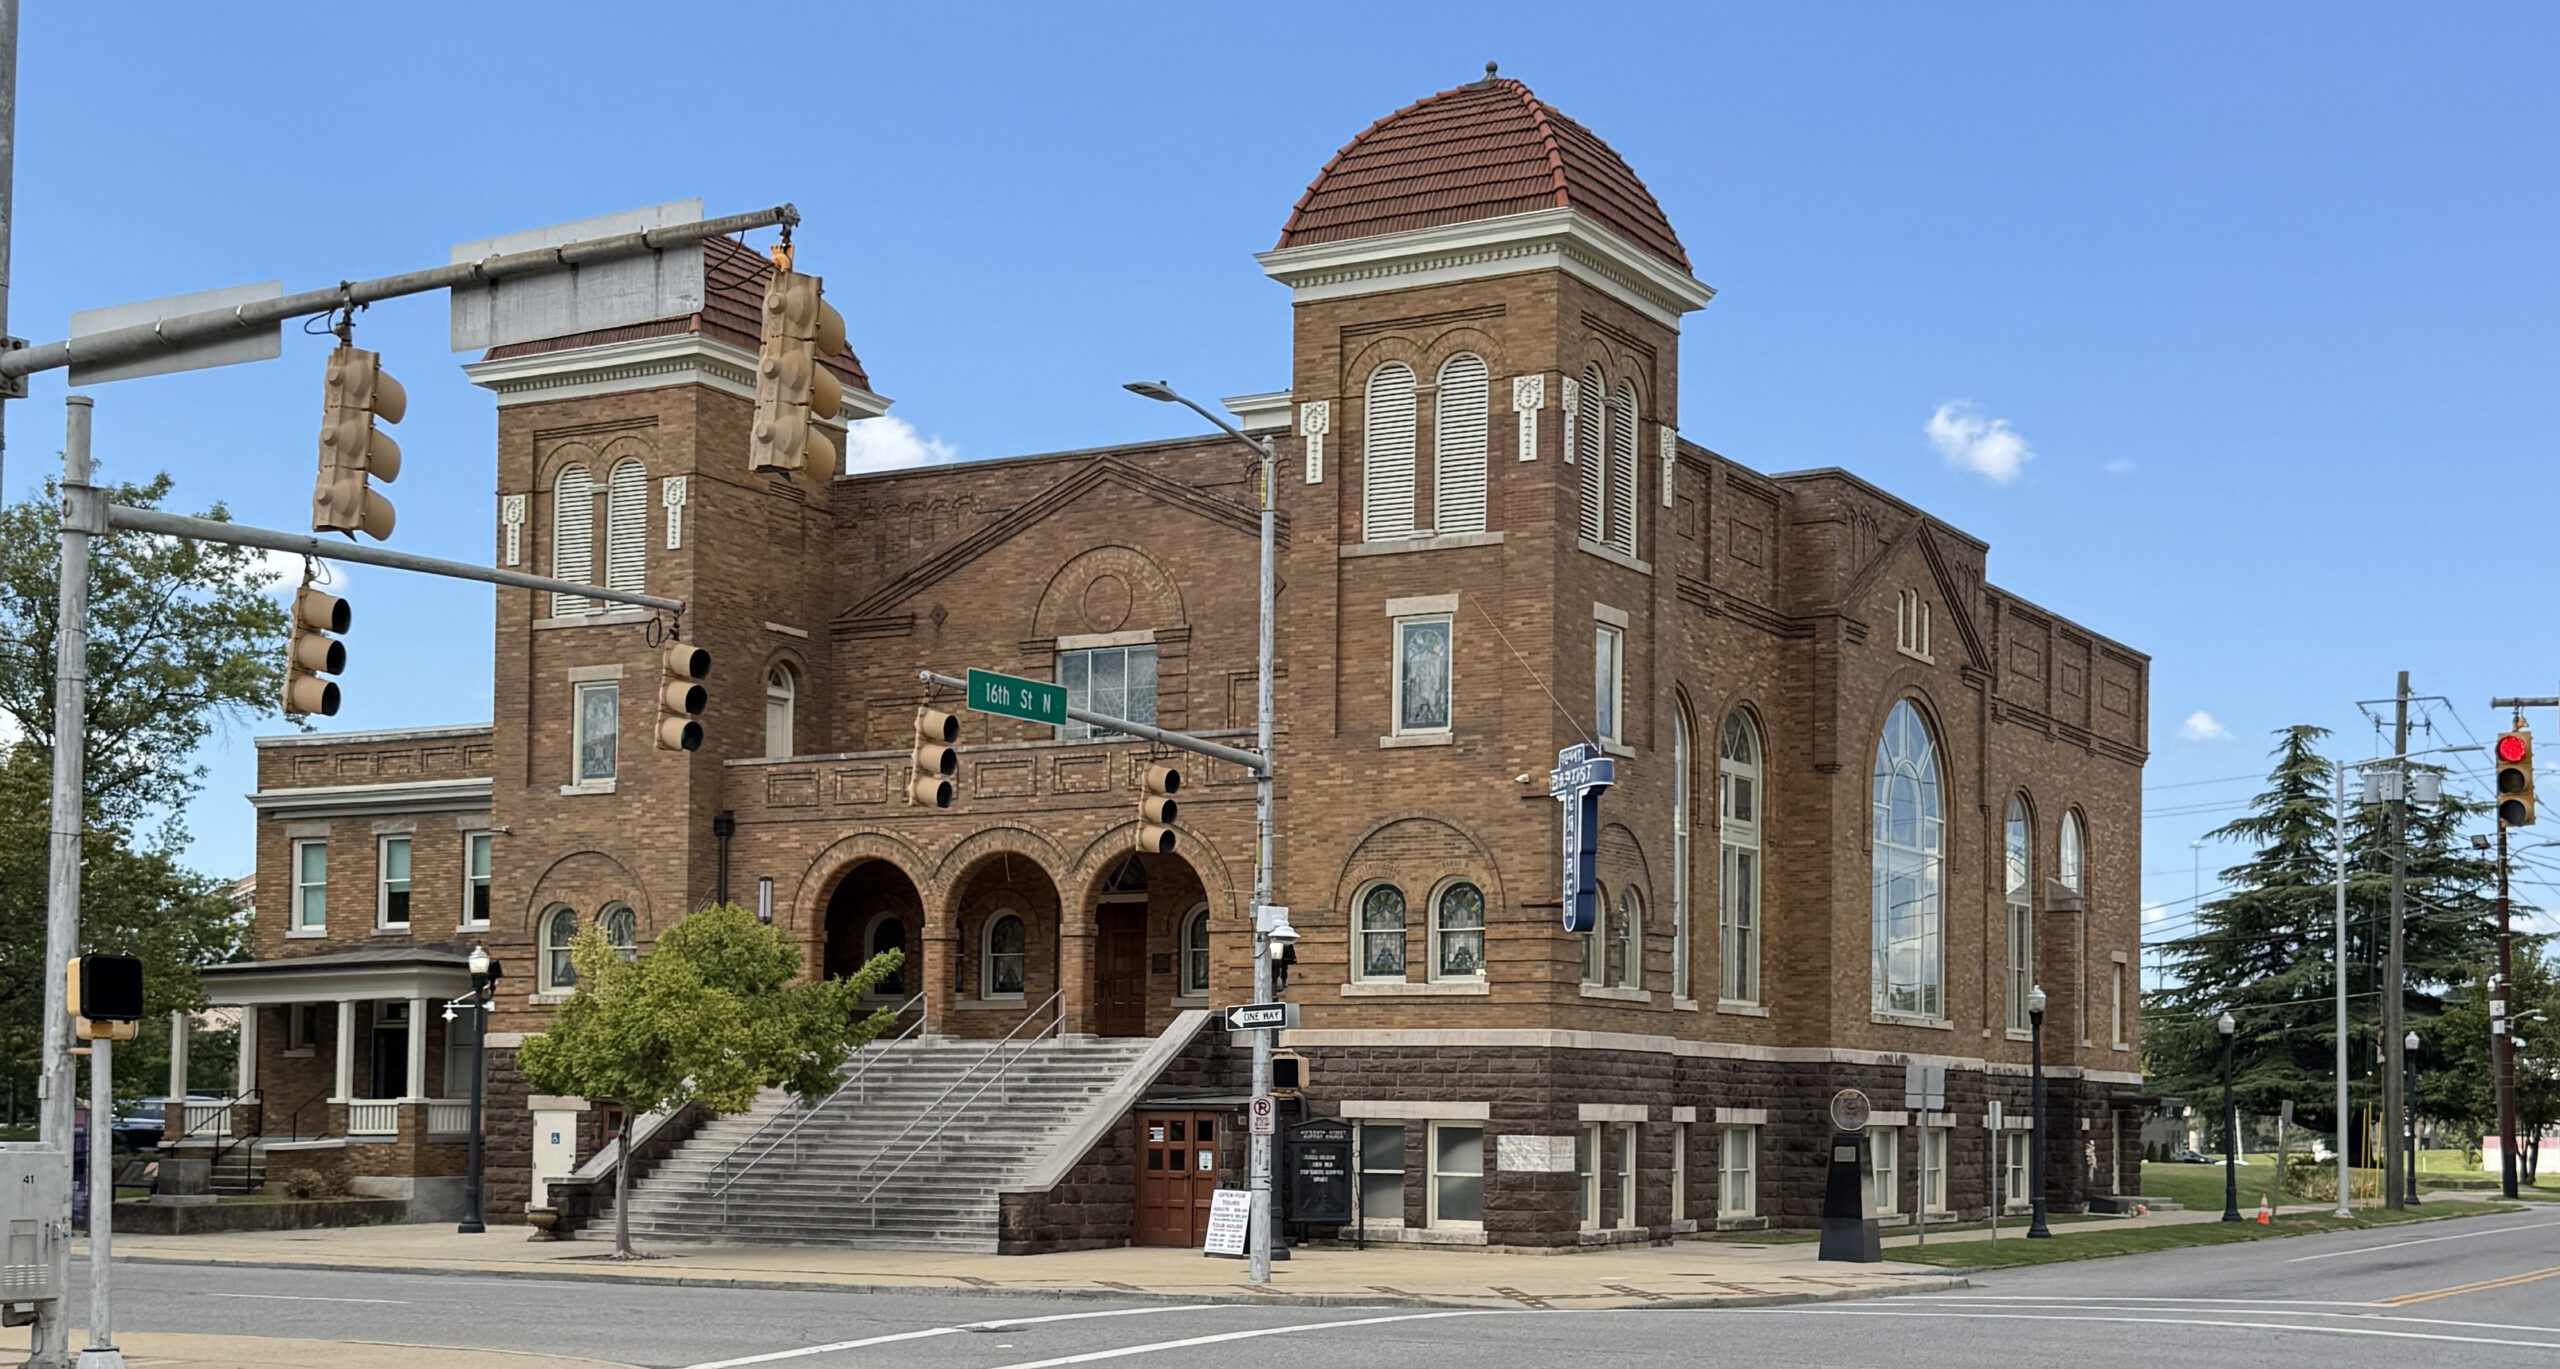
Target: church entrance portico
x=1001 y=950
x=1150 y=944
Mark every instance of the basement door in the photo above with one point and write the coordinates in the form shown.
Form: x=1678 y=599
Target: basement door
x=1177 y=1171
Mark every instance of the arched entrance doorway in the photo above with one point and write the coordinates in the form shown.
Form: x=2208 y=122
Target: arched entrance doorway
x=1150 y=944
x=1004 y=965
x=875 y=908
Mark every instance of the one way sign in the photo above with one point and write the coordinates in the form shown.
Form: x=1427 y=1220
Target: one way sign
x=1262 y=1016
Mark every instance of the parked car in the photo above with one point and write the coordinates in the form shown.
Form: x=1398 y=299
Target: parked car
x=138 y=1123
x=2193 y=1157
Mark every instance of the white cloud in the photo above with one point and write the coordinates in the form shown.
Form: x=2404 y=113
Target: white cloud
x=1975 y=443
x=2119 y=466
x=888 y=443
x=2201 y=726
x=2153 y=914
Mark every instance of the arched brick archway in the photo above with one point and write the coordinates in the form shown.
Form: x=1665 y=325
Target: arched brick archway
x=874 y=908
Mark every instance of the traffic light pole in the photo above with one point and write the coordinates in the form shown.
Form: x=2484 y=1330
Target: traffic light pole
x=50 y=1347
x=1179 y=741
x=2502 y=1039
x=101 y=1352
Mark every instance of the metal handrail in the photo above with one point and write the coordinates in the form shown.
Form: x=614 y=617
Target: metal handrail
x=813 y=1109
x=230 y=1104
x=954 y=1115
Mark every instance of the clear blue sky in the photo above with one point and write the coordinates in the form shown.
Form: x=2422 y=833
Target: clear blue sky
x=2267 y=291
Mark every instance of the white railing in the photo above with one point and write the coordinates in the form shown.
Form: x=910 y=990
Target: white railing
x=206 y=1119
x=448 y=1117
x=373 y=1117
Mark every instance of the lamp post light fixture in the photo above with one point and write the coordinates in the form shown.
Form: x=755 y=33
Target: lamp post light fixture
x=2036 y=1229
x=2230 y=1128
x=484 y=985
x=1272 y=933
x=2409 y=1104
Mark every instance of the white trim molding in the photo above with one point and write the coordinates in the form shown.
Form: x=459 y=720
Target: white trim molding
x=511 y=513
x=364 y=800
x=1315 y=419
x=1528 y=396
x=650 y=363
x=1542 y=240
x=1415 y=1111
x=1267 y=412
x=1613 y=1112
x=671 y=492
x=1536 y=1038
x=1742 y=1117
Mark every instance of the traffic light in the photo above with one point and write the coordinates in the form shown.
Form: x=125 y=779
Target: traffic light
x=311 y=653
x=681 y=671
x=1156 y=809
x=2515 y=778
x=105 y=996
x=795 y=392
x=935 y=760
x=352 y=451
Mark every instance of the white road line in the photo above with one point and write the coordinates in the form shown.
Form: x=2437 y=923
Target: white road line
x=1186 y=1343
x=2553 y=1344
x=2377 y=1313
x=2424 y=1240
x=2083 y=1297
x=930 y=1332
x=298 y=1297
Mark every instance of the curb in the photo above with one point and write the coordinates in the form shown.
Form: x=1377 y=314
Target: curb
x=1952 y=1280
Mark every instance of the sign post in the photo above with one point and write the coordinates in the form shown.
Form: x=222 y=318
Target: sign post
x=1924 y=1091
x=1581 y=773
x=1991 y=1122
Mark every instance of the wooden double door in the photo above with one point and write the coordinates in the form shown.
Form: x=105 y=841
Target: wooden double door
x=1177 y=1156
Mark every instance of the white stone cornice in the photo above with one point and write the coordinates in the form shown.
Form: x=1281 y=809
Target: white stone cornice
x=365 y=800
x=1545 y=239
x=650 y=363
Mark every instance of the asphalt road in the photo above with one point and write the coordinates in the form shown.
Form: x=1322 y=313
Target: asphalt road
x=2484 y=1291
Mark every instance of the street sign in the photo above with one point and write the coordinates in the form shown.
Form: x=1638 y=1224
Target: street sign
x=1581 y=773
x=599 y=294
x=1320 y=1173
x=250 y=344
x=1924 y=1088
x=1263 y=1115
x=1992 y=1117
x=1011 y=696
x=1261 y=1017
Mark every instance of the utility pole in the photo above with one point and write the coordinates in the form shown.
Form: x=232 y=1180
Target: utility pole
x=2394 y=1100
x=8 y=184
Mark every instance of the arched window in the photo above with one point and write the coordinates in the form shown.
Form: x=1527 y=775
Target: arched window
x=1591 y=441
x=622 y=928
x=559 y=928
x=1626 y=952
x=1386 y=463
x=1907 y=926
x=573 y=537
x=1195 y=952
x=1004 y=956
x=626 y=526
x=1679 y=850
x=1738 y=809
x=1458 y=445
x=1380 y=954
x=888 y=933
x=781 y=692
x=1622 y=470
x=2069 y=864
x=1457 y=933
x=2017 y=878
x=1595 y=943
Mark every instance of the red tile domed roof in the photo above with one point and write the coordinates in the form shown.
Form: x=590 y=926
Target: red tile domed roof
x=1477 y=152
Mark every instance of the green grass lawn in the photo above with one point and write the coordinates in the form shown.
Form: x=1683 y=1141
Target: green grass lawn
x=2199 y=1187
x=2095 y=1241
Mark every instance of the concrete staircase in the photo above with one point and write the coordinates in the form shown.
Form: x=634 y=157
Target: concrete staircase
x=910 y=1155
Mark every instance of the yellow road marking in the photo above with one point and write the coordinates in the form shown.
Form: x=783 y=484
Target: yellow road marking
x=2483 y=1286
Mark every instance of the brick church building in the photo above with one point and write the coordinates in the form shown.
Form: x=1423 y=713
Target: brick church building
x=1865 y=799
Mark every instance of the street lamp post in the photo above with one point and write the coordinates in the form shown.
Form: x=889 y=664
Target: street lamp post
x=2036 y=1229
x=2409 y=1096
x=484 y=982
x=1271 y=931
x=2230 y=1129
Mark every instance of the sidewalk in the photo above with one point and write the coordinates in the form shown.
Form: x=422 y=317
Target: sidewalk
x=174 y=1351
x=1686 y=1274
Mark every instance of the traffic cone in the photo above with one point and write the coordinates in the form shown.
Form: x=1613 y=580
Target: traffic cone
x=2265 y=1218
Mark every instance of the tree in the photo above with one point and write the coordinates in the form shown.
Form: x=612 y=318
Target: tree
x=184 y=638
x=2457 y=1076
x=2265 y=950
x=715 y=1011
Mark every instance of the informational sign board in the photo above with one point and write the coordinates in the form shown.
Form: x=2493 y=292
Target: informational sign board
x=597 y=295
x=1011 y=696
x=1262 y=1115
x=249 y=344
x=1230 y=1220
x=1262 y=1016
x=1319 y=1164
x=1581 y=773
x=1924 y=1088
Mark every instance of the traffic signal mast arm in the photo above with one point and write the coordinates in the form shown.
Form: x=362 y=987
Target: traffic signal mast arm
x=1180 y=741
x=119 y=516
x=188 y=330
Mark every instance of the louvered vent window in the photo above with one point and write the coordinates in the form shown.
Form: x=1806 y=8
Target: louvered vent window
x=573 y=537
x=1622 y=470
x=1458 y=445
x=626 y=527
x=1591 y=436
x=1386 y=489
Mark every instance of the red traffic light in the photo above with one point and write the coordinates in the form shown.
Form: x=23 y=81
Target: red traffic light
x=2512 y=748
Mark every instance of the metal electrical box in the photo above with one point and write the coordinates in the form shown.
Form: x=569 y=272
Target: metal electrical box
x=35 y=1210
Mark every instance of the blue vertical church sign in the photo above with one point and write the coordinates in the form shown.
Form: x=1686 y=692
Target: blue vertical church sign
x=1581 y=773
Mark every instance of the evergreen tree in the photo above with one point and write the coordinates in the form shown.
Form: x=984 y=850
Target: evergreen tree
x=2265 y=950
